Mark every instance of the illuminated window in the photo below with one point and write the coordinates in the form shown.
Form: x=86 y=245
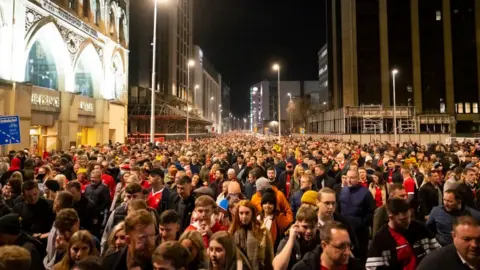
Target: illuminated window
x=41 y=69
x=475 y=107
x=467 y=107
x=438 y=15
x=83 y=79
x=460 y=108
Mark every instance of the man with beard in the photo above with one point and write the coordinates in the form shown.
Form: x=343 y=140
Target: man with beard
x=403 y=243
x=464 y=253
x=334 y=251
x=140 y=238
x=302 y=238
x=274 y=181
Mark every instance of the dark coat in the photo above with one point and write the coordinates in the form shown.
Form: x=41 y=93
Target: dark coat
x=86 y=211
x=358 y=205
x=282 y=182
x=176 y=203
x=444 y=258
x=324 y=181
x=165 y=201
x=427 y=199
x=311 y=261
x=118 y=261
x=34 y=247
x=36 y=218
x=383 y=251
x=396 y=176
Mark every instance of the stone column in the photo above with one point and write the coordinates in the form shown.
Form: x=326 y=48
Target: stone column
x=447 y=44
x=417 y=71
x=349 y=55
x=384 y=59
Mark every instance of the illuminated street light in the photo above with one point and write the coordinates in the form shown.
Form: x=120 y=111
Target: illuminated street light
x=394 y=74
x=276 y=67
x=190 y=64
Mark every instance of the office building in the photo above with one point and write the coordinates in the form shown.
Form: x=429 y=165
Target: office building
x=227 y=117
x=173 y=51
x=207 y=86
x=431 y=43
x=264 y=102
x=322 y=77
x=64 y=71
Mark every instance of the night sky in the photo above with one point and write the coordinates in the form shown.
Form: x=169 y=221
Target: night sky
x=242 y=38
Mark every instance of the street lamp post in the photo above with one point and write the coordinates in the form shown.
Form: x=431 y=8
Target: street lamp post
x=190 y=64
x=394 y=74
x=276 y=67
x=154 y=52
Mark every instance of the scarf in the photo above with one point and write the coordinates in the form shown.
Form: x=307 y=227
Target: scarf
x=255 y=248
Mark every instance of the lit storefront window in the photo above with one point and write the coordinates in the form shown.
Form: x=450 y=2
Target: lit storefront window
x=460 y=107
x=467 y=107
x=83 y=79
x=40 y=68
x=475 y=108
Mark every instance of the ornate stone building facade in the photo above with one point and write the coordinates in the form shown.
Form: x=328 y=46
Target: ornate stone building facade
x=64 y=70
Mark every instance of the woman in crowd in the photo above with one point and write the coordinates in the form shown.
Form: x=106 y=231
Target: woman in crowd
x=62 y=181
x=44 y=174
x=80 y=246
x=12 y=191
x=334 y=170
x=224 y=192
x=297 y=175
x=119 y=189
x=116 y=239
x=378 y=188
x=192 y=240
x=212 y=174
x=274 y=221
x=251 y=237
x=196 y=182
x=224 y=254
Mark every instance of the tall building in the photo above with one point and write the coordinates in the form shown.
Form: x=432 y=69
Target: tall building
x=323 y=77
x=227 y=117
x=264 y=102
x=431 y=43
x=173 y=51
x=64 y=71
x=207 y=84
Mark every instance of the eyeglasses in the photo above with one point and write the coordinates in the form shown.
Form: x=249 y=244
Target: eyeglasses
x=343 y=246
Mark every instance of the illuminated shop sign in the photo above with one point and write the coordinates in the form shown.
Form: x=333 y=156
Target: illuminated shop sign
x=46 y=101
x=86 y=106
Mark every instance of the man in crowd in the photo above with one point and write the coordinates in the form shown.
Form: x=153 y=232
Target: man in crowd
x=99 y=194
x=286 y=177
x=403 y=242
x=250 y=187
x=302 y=238
x=441 y=219
x=282 y=204
x=36 y=212
x=85 y=207
x=380 y=217
x=326 y=203
x=140 y=238
x=468 y=187
x=183 y=201
x=334 y=251
x=169 y=226
x=322 y=180
x=357 y=204
x=158 y=195
x=430 y=195
x=305 y=185
x=392 y=174
x=11 y=234
x=204 y=207
x=463 y=253
x=107 y=179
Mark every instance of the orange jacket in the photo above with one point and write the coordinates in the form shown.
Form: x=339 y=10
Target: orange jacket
x=282 y=204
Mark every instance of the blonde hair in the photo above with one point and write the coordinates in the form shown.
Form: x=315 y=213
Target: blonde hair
x=197 y=241
x=111 y=238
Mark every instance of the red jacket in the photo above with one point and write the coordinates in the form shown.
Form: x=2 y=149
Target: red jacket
x=215 y=228
x=110 y=183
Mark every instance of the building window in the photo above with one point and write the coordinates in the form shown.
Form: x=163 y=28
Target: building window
x=438 y=15
x=98 y=14
x=112 y=22
x=83 y=79
x=86 y=8
x=71 y=4
x=467 y=107
x=460 y=108
x=41 y=69
x=475 y=107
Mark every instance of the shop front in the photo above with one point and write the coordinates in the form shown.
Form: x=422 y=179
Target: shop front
x=45 y=110
x=86 y=134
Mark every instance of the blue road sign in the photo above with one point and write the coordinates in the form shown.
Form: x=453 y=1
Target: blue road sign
x=9 y=130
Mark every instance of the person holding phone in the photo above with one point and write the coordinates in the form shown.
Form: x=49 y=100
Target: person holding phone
x=302 y=238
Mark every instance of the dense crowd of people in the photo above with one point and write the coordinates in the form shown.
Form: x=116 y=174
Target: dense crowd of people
x=240 y=201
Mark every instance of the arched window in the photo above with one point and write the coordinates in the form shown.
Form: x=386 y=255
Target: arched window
x=98 y=12
x=83 y=79
x=118 y=80
x=122 y=31
x=40 y=68
x=111 y=22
